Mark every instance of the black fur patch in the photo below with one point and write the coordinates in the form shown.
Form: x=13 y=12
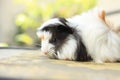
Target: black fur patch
x=65 y=23
x=81 y=52
x=63 y=20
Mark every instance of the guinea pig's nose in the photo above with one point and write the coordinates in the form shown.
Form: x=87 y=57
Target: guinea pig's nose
x=45 y=52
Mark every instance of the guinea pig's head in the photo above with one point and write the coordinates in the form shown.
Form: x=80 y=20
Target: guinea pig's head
x=56 y=39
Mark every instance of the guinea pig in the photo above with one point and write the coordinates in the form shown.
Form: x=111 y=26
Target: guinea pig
x=83 y=37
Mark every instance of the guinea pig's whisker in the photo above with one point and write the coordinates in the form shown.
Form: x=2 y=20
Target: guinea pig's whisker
x=51 y=53
x=52 y=48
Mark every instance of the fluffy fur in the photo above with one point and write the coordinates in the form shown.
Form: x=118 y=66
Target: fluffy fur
x=82 y=38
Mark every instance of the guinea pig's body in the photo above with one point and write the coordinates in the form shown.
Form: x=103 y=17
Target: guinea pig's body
x=81 y=38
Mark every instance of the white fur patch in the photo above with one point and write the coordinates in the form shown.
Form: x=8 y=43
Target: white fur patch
x=68 y=49
x=102 y=43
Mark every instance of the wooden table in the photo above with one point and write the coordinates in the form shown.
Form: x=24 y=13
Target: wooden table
x=18 y=64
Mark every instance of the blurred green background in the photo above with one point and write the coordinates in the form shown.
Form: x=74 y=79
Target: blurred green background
x=28 y=15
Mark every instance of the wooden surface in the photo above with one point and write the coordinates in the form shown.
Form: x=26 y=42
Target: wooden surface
x=31 y=64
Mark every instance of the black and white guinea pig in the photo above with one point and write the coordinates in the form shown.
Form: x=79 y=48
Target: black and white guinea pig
x=81 y=38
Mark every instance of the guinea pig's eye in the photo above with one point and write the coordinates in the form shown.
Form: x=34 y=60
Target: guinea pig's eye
x=53 y=40
x=46 y=29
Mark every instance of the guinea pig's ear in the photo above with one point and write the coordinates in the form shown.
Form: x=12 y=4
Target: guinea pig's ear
x=65 y=27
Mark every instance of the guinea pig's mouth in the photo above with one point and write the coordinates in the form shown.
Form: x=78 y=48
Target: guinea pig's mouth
x=52 y=54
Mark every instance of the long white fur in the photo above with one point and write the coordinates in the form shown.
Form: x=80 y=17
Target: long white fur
x=102 y=43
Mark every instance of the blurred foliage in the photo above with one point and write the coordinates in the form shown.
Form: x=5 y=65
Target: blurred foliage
x=37 y=11
x=3 y=45
x=24 y=38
